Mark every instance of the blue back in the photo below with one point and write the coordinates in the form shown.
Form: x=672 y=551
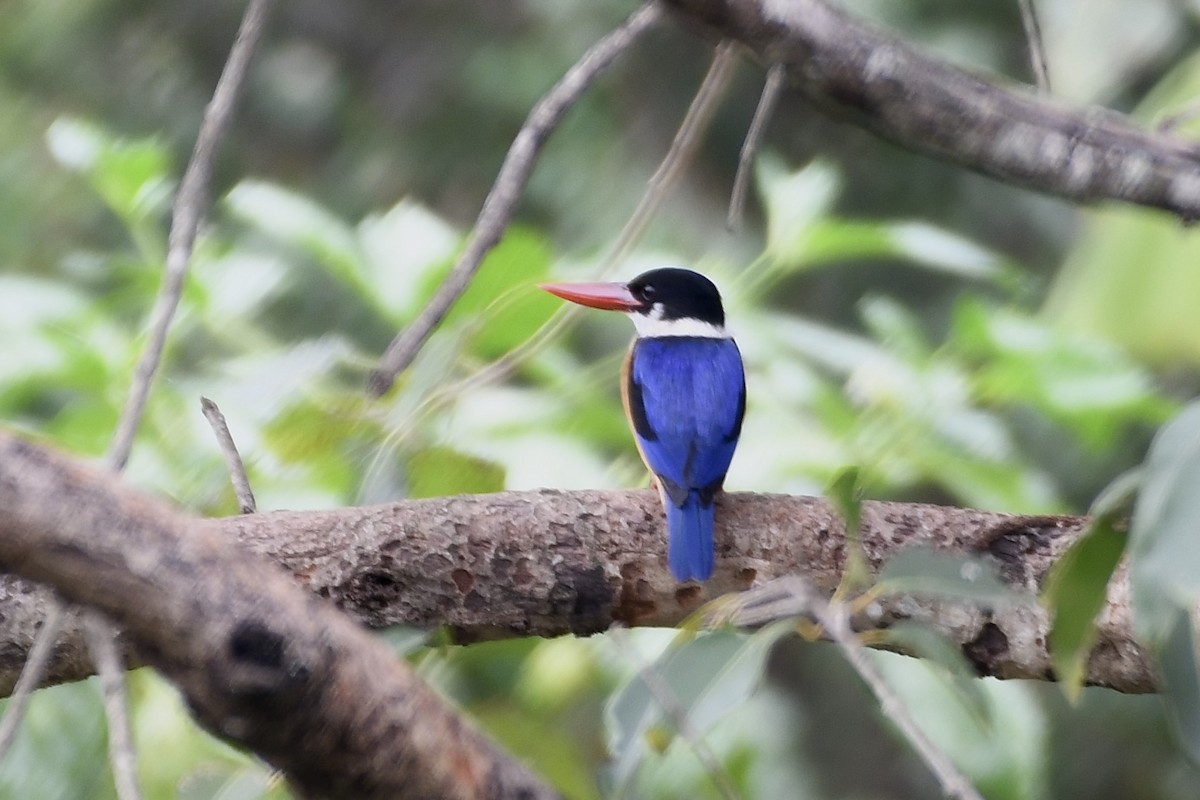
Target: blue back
x=686 y=399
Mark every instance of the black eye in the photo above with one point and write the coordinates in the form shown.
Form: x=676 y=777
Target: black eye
x=647 y=293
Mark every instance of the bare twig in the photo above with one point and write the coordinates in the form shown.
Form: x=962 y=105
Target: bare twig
x=678 y=715
x=233 y=459
x=110 y=667
x=191 y=206
x=500 y=204
x=1037 y=45
x=32 y=673
x=680 y=154
x=1179 y=118
x=797 y=595
x=758 y=125
x=835 y=620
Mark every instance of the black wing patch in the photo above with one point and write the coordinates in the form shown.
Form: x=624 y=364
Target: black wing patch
x=733 y=435
x=637 y=411
x=677 y=494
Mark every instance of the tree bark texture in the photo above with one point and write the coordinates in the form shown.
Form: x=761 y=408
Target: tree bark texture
x=260 y=661
x=922 y=103
x=539 y=563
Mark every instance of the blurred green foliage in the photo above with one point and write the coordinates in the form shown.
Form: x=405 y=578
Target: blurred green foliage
x=897 y=316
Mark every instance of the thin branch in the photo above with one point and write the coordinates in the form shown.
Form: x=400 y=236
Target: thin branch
x=678 y=715
x=500 y=204
x=191 y=207
x=1037 y=45
x=101 y=644
x=233 y=459
x=834 y=619
x=1179 y=118
x=110 y=667
x=33 y=672
x=681 y=153
x=749 y=151
x=856 y=70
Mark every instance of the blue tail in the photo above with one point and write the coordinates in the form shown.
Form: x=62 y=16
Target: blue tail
x=690 y=538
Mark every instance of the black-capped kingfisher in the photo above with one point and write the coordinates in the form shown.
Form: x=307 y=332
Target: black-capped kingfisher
x=684 y=392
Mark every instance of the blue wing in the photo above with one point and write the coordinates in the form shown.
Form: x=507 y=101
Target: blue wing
x=686 y=397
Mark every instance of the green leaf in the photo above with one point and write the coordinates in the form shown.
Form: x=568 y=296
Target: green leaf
x=253 y=783
x=900 y=327
x=299 y=221
x=1077 y=380
x=940 y=249
x=1117 y=499
x=503 y=306
x=131 y=175
x=1164 y=562
x=1181 y=681
x=317 y=440
x=846 y=495
x=441 y=471
x=60 y=751
x=794 y=202
x=401 y=248
x=559 y=757
x=1075 y=592
x=915 y=242
x=924 y=642
x=32 y=312
x=709 y=676
x=927 y=572
x=404 y=639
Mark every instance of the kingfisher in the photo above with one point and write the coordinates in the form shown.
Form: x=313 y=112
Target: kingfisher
x=684 y=392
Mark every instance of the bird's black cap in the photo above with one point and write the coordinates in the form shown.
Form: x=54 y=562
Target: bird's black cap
x=681 y=293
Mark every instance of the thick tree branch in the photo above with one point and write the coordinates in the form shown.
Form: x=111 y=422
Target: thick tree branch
x=259 y=660
x=927 y=105
x=548 y=562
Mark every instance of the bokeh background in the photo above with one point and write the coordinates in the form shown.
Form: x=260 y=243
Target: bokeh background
x=956 y=339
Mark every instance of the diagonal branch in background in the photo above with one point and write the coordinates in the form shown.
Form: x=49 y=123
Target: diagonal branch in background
x=191 y=206
x=681 y=153
x=758 y=126
x=1036 y=45
x=110 y=666
x=835 y=621
x=259 y=660
x=501 y=202
x=851 y=67
x=549 y=562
